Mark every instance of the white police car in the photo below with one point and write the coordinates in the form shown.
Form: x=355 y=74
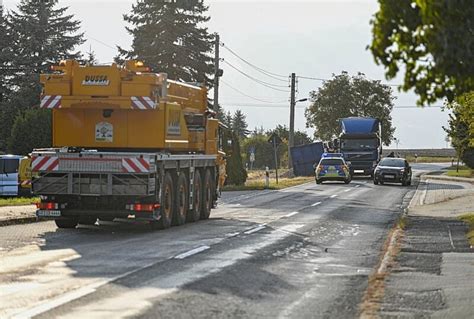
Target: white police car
x=332 y=167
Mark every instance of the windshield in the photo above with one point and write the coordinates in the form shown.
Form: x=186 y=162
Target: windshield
x=8 y=166
x=357 y=144
x=332 y=161
x=394 y=162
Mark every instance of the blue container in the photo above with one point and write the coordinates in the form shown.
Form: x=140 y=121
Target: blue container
x=303 y=157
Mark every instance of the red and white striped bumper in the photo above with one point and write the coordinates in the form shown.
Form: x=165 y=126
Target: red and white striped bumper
x=50 y=101
x=143 y=103
x=44 y=163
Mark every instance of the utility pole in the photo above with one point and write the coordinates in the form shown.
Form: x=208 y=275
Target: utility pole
x=292 y=117
x=217 y=72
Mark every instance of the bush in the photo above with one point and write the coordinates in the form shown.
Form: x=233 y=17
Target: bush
x=236 y=173
x=31 y=129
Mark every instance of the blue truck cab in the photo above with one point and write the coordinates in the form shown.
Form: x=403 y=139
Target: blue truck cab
x=360 y=142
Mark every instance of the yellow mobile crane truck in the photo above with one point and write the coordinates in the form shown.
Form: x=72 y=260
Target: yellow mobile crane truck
x=127 y=143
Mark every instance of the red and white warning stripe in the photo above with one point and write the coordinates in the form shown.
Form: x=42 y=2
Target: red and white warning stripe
x=44 y=163
x=143 y=103
x=50 y=102
x=135 y=165
x=26 y=182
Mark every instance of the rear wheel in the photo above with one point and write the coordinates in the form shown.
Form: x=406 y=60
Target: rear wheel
x=167 y=202
x=182 y=199
x=66 y=222
x=195 y=214
x=207 y=195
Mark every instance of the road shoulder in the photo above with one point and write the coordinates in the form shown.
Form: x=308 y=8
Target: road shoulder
x=431 y=265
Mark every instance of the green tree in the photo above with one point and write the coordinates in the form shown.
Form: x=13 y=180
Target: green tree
x=264 y=153
x=31 y=130
x=433 y=40
x=300 y=137
x=169 y=36
x=43 y=35
x=345 y=96
x=239 y=124
x=461 y=128
x=40 y=35
x=6 y=56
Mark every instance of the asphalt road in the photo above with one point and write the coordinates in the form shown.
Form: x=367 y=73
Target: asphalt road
x=302 y=252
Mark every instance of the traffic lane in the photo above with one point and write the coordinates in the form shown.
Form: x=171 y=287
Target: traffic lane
x=225 y=279
x=63 y=260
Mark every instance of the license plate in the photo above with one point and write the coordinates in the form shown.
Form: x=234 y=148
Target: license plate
x=389 y=176
x=48 y=213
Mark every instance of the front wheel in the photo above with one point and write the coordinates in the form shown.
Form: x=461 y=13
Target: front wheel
x=67 y=222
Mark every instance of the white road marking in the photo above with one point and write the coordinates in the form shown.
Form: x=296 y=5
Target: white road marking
x=230 y=235
x=348 y=190
x=192 y=252
x=291 y=214
x=316 y=204
x=254 y=230
x=357 y=186
x=333 y=196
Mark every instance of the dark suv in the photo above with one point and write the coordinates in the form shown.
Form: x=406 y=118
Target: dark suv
x=393 y=170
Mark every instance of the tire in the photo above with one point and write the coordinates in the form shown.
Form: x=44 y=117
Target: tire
x=167 y=202
x=66 y=222
x=404 y=182
x=376 y=182
x=195 y=214
x=181 y=200
x=207 y=196
x=87 y=220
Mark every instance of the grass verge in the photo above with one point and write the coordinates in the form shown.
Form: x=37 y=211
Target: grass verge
x=18 y=201
x=469 y=219
x=463 y=172
x=260 y=184
x=428 y=159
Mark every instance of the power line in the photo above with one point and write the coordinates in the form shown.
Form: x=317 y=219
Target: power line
x=266 y=84
x=246 y=104
x=249 y=96
x=324 y=80
x=267 y=73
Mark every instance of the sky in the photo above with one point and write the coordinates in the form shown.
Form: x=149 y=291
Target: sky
x=310 y=38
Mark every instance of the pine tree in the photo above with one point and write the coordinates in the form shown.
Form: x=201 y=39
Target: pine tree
x=6 y=56
x=239 y=124
x=168 y=36
x=43 y=35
